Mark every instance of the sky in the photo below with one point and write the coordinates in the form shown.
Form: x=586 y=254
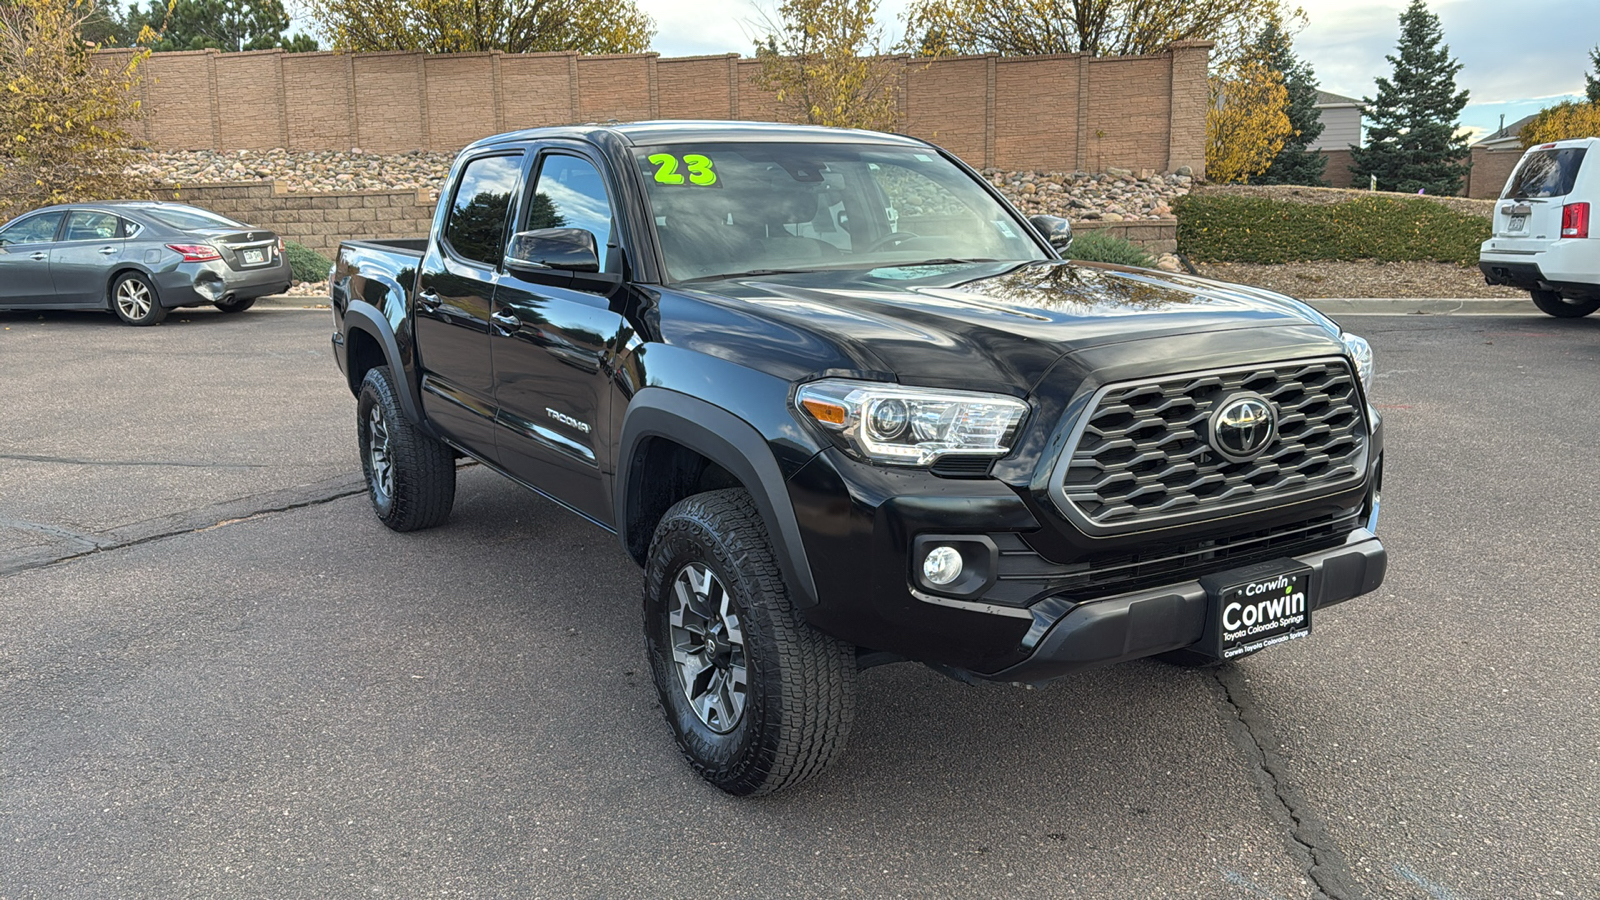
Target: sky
x=1518 y=56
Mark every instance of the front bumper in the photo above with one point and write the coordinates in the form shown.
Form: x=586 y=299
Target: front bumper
x=1031 y=617
x=1133 y=626
x=202 y=284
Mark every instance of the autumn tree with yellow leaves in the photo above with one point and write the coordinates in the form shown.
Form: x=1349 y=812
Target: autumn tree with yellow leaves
x=1561 y=122
x=1247 y=122
x=470 y=26
x=64 y=114
x=826 y=62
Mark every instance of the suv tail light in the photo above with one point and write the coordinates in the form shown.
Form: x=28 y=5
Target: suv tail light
x=196 y=252
x=1575 y=220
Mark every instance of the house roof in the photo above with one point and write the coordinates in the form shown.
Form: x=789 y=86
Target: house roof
x=1326 y=99
x=1512 y=133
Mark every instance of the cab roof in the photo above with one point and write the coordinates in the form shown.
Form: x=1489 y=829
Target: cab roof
x=667 y=132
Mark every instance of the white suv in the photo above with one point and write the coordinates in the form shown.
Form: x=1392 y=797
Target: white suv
x=1543 y=239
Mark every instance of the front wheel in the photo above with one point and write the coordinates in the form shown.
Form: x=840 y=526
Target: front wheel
x=411 y=478
x=133 y=299
x=757 y=699
x=1552 y=303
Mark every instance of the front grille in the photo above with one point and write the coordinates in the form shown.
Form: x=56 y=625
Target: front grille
x=1142 y=457
x=1025 y=575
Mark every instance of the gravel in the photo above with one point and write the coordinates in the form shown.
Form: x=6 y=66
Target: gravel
x=1115 y=196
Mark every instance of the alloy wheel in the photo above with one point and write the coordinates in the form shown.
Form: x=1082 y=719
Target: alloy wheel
x=708 y=649
x=133 y=299
x=378 y=455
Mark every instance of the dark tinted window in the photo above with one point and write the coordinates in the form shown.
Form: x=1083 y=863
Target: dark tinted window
x=1547 y=173
x=571 y=194
x=86 y=225
x=476 y=228
x=32 y=230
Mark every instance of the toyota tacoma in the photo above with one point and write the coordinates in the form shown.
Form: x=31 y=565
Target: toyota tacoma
x=846 y=407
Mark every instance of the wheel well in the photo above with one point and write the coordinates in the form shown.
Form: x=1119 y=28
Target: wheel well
x=118 y=273
x=363 y=353
x=662 y=473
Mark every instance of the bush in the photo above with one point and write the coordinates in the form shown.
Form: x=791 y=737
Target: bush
x=1220 y=228
x=308 y=264
x=1098 y=246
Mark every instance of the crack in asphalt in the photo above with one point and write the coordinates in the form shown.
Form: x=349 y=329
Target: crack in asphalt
x=187 y=522
x=1325 y=866
x=184 y=464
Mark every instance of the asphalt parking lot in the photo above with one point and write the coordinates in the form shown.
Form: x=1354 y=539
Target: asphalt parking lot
x=220 y=676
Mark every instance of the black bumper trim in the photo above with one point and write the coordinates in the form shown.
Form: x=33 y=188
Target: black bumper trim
x=1145 y=623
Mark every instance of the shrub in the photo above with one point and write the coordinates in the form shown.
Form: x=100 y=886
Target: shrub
x=308 y=264
x=1220 y=228
x=1098 y=246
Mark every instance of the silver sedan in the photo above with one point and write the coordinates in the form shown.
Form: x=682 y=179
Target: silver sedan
x=137 y=259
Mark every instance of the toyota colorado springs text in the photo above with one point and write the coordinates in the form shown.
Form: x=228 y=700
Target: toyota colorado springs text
x=846 y=407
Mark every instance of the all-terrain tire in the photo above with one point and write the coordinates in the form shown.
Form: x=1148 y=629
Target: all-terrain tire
x=800 y=684
x=1552 y=303
x=411 y=478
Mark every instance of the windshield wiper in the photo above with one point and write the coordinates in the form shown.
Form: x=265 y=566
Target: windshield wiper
x=948 y=261
x=752 y=273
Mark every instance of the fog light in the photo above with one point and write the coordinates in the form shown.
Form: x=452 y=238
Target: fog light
x=942 y=565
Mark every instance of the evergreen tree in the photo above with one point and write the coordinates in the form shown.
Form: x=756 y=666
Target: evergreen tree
x=1591 y=84
x=1294 y=164
x=227 y=25
x=1412 y=143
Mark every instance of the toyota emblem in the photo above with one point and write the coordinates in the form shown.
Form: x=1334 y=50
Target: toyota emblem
x=1243 y=426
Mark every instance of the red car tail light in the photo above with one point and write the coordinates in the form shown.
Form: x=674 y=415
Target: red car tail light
x=1575 y=220
x=196 y=252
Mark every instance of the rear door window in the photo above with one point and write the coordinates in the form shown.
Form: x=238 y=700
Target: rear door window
x=1547 y=173
x=476 y=227
x=87 y=225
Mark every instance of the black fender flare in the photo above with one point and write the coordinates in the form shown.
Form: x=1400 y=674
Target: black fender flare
x=362 y=316
x=730 y=442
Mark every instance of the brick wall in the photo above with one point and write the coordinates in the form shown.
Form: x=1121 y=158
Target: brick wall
x=1490 y=169
x=1337 y=172
x=319 y=221
x=1069 y=112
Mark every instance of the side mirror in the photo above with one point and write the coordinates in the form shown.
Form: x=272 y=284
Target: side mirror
x=1056 y=230
x=544 y=249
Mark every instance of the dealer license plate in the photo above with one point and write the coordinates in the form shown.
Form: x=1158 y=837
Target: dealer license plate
x=255 y=257
x=1517 y=223
x=1258 y=607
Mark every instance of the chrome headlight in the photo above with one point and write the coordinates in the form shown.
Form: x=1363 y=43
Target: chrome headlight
x=1361 y=355
x=887 y=423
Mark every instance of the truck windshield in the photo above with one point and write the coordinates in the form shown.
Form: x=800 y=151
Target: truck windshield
x=726 y=208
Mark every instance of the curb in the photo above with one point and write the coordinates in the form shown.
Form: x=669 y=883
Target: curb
x=1424 y=306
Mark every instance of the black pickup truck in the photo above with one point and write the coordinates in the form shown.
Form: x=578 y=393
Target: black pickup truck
x=846 y=407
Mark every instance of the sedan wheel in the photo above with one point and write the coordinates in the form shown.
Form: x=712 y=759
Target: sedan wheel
x=134 y=300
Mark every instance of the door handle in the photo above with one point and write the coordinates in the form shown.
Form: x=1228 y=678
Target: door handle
x=508 y=322
x=39 y=256
x=429 y=300
x=108 y=250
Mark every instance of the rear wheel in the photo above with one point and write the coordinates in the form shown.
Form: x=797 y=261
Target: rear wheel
x=411 y=478
x=757 y=699
x=134 y=300
x=1554 y=304
x=234 y=306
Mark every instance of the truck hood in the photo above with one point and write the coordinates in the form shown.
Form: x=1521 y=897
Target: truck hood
x=997 y=326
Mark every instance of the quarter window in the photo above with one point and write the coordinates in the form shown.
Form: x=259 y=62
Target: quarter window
x=476 y=227
x=571 y=193
x=38 y=229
